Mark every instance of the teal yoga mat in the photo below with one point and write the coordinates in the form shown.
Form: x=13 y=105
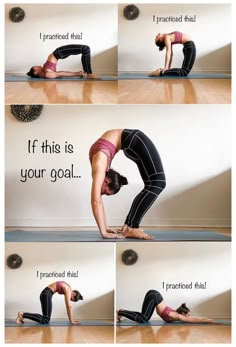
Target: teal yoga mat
x=139 y=76
x=12 y=324
x=19 y=78
x=95 y=236
x=162 y=323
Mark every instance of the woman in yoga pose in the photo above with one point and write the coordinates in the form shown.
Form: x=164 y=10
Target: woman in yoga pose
x=48 y=70
x=59 y=287
x=189 y=50
x=140 y=149
x=154 y=300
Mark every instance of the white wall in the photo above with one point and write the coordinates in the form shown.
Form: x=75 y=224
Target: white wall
x=177 y=262
x=97 y=22
x=96 y=272
x=194 y=142
x=211 y=33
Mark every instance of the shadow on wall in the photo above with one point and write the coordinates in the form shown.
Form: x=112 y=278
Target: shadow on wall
x=223 y=299
x=213 y=60
x=213 y=195
x=97 y=305
x=105 y=62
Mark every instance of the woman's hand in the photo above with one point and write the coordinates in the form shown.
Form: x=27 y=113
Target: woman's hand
x=75 y=322
x=114 y=230
x=155 y=73
x=111 y=235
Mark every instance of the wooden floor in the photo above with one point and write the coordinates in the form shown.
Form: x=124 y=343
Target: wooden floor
x=175 y=91
x=171 y=334
x=69 y=334
x=61 y=92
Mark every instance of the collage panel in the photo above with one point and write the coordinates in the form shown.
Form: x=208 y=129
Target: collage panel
x=53 y=181
x=71 y=62
x=174 y=53
x=59 y=292
x=171 y=292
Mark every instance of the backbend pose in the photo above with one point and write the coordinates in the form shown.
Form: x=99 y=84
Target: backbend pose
x=59 y=287
x=189 y=51
x=154 y=300
x=48 y=70
x=140 y=149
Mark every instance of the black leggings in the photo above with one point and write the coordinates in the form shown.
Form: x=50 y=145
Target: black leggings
x=140 y=149
x=65 y=51
x=46 y=303
x=189 y=51
x=151 y=300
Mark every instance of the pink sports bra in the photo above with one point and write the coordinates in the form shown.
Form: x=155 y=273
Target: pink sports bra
x=59 y=288
x=178 y=37
x=165 y=314
x=49 y=65
x=104 y=146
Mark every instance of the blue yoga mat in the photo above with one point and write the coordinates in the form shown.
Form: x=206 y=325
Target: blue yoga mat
x=11 y=324
x=19 y=78
x=95 y=236
x=140 y=76
x=162 y=323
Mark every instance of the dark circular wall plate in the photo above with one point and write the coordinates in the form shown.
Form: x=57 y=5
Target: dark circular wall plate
x=16 y=14
x=26 y=113
x=14 y=261
x=131 y=12
x=129 y=257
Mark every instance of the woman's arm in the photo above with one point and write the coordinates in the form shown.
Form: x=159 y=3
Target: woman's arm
x=169 y=53
x=189 y=319
x=69 y=306
x=98 y=175
x=56 y=74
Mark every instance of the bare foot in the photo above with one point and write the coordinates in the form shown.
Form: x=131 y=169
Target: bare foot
x=91 y=76
x=81 y=74
x=19 y=318
x=155 y=73
x=118 y=318
x=135 y=233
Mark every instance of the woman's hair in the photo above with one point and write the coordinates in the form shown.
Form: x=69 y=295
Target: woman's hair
x=183 y=309
x=116 y=180
x=161 y=45
x=32 y=74
x=77 y=295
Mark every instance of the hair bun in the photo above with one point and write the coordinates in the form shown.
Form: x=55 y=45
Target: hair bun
x=123 y=180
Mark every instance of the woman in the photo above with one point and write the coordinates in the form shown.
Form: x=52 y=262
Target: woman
x=61 y=288
x=154 y=300
x=48 y=70
x=140 y=149
x=189 y=51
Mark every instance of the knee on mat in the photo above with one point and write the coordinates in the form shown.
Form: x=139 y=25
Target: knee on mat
x=45 y=320
x=141 y=320
x=184 y=72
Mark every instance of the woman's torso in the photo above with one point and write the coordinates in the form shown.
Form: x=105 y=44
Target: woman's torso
x=59 y=287
x=179 y=37
x=109 y=144
x=50 y=64
x=163 y=311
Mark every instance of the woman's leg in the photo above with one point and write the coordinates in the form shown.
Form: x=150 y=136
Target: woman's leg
x=46 y=304
x=65 y=51
x=151 y=300
x=189 y=51
x=140 y=149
